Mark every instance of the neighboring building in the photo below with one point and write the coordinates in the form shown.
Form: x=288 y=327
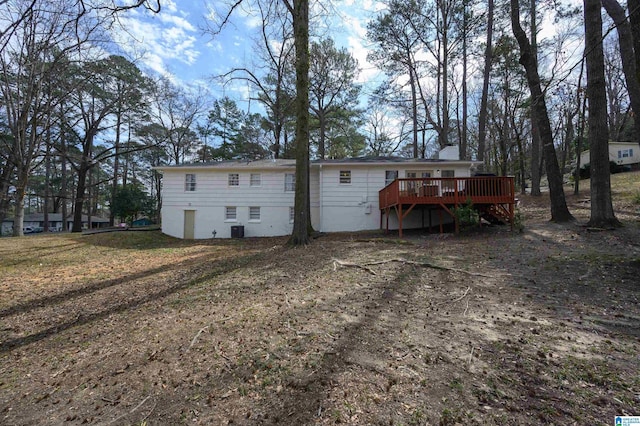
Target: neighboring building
x=256 y=198
x=55 y=222
x=621 y=153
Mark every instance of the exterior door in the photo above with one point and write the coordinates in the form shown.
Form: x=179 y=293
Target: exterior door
x=416 y=187
x=189 y=224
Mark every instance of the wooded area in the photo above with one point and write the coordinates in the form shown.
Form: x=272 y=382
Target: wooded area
x=522 y=87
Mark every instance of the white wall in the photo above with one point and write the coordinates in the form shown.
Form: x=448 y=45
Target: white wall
x=355 y=206
x=614 y=147
x=213 y=195
x=334 y=206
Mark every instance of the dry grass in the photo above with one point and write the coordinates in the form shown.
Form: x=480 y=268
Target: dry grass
x=131 y=328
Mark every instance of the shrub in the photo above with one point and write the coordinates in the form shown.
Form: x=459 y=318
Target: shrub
x=466 y=215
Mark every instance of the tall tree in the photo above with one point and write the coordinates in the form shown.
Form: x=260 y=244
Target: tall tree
x=602 y=214
x=299 y=10
x=397 y=43
x=559 y=210
x=272 y=77
x=332 y=88
x=129 y=85
x=177 y=111
x=486 y=77
x=627 y=55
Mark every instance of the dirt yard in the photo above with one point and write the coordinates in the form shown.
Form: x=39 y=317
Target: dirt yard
x=488 y=327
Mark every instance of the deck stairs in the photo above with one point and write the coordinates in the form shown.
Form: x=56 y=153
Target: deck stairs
x=496 y=214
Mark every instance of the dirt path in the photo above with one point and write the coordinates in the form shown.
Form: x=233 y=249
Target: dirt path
x=539 y=327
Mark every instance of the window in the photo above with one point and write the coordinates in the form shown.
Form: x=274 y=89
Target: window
x=190 y=182
x=234 y=179
x=289 y=182
x=390 y=176
x=255 y=179
x=230 y=213
x=345 y=177
x=625 y=153
x=254 y=213
x=448 y=173
x=292 y=214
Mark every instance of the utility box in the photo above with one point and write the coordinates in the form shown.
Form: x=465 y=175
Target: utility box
x=237 y=231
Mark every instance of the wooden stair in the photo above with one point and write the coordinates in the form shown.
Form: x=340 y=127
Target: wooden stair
x=496 y=214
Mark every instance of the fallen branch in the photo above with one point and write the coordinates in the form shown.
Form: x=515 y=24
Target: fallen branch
x=195 y=338
x=337 y=262
x=365 y=266
x=457 y=299
x=130 y=412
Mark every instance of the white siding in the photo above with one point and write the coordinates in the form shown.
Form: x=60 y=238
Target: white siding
x=213 y=194
x=334 y=206
x=355 y=206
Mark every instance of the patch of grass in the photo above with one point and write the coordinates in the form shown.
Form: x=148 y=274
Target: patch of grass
x=450 y=417
x=417 y=417
x=456 y=384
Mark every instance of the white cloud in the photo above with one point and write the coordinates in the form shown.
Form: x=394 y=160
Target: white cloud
x=177 y=21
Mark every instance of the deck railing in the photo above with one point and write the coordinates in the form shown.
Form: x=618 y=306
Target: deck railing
x=478 y=190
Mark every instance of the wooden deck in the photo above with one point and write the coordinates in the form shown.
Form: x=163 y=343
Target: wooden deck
x=492 y=196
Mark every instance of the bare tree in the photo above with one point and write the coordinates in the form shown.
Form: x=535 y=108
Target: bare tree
x=486 y=77
x=559 y=210
x=627 y=55
x=602 y=214
x=271 y=76
x=299 y=11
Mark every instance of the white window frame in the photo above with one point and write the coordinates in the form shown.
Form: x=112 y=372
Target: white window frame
x=345 y=177
x=255 y=179
x=190 y=182
x=230 y=214
x=253 y=217
x=289 y=182
x=387 y=181
x=233 y=179
x=625 y=153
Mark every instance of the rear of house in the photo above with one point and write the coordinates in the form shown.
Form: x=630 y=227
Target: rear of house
x=256 y=198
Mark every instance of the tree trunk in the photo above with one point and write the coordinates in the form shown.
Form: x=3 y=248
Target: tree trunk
x=536 y=171
x=462 y=149
x=486 y=75
x=444 y=135
x=4 y=191
x=47 y=180
x=625 y=40
x=601 y=206
x=21 y=187
x=414 y=111
x=634 y=20
x=559 y=210
x=116 y=165
x=301 y=223
x=78 y=203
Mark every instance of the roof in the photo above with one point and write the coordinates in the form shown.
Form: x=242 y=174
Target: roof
x=234 y=164
x=381 y=160
x=291 y=163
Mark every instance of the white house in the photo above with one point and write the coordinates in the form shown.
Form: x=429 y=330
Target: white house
x=621 y=153
x=256 y=198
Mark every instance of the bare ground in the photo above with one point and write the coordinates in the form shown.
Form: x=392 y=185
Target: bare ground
x=490 y=327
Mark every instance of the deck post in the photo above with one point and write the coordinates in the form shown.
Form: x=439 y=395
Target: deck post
x=388 y=210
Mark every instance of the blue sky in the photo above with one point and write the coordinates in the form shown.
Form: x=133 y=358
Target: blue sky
x=174 y=42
